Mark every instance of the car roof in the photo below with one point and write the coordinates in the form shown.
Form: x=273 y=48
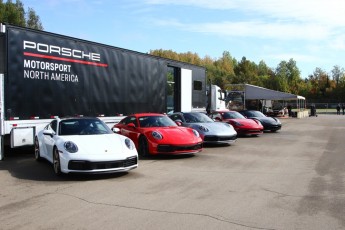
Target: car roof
x=224 y=111
x=147 y=114
x=187 y=112
x=78 y=118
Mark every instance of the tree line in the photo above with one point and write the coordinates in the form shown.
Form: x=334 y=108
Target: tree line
x=15 y=14
x=319 y=86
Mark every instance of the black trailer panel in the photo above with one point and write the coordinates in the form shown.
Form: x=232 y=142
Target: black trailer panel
x=52 y=75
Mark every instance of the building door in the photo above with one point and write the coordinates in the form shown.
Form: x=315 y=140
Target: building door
x=173 y=89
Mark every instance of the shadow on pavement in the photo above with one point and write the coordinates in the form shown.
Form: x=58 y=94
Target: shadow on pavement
x=20 y=163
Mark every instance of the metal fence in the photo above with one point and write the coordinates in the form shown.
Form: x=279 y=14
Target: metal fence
x=327 y=108
x=321 y=108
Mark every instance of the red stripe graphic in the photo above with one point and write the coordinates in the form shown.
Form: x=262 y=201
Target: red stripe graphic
x=65 y=59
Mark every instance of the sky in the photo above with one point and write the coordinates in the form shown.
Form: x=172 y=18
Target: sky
x=311 y=32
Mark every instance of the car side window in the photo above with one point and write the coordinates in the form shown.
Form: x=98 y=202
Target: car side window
x=175 y=117
x=129 y=120
x=134 y=121
x=125 y=121
x=217 y=116
x=213 y=115
x=52 y=126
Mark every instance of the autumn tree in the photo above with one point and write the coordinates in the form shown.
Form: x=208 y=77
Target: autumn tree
x=320 y=83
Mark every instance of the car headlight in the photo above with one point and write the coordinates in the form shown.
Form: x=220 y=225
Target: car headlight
x=129 y=143
x=157 y=135
x=196 y=133
x=70 y=147
x=203 y=128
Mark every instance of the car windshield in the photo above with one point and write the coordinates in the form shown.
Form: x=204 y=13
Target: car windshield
x=232 y=115
x=254 y=114
x=156 y=121
x=83 y=127
x=197 y=118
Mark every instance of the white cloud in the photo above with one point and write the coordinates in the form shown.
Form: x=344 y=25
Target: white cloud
x=330 y=13
x=338 y=43
x=304 y=9
x=259 y=29
x=296 y=56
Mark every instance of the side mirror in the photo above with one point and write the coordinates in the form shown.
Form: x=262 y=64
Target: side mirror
x=116 y=130
x=48 y=132
x=178 y=122
x=131 y=125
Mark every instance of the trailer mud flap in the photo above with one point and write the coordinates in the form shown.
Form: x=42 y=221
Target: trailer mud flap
x=2 y=155
x=22 y=136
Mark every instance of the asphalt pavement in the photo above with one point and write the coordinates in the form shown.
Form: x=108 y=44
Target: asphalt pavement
x=291 y=179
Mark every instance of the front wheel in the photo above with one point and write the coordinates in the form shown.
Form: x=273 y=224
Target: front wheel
x=143 y=147
x=37 y=150
x=56 y=162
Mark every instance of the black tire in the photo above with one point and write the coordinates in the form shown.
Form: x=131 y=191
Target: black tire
x=143 y=147
x=37 y=150
x=56 y=162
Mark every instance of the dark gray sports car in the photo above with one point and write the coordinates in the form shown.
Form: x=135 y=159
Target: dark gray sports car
x=269 y=123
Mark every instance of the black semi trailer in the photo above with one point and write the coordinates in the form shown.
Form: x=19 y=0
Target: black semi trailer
x=44 y=75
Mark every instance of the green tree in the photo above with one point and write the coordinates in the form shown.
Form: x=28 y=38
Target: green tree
x=288 y=77
x=282 y=73
x=320 y=83
x=224 y=69
x=337 y=72
x=266 y=75
x=33 y=20
x=293 y=76
x=246 y=72
x=14 y=13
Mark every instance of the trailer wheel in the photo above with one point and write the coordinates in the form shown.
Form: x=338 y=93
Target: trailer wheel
x=56 y=162
x=37 y=150
x=143 y=147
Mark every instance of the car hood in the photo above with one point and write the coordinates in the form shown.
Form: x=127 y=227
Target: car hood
x=214 y=128
x=100 y=147
x=266 y=120
x=175 y=135
x=245 y=122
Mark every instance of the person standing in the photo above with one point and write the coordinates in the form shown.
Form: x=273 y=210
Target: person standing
x=338 y=109
x=343 y=108
x=289 y=110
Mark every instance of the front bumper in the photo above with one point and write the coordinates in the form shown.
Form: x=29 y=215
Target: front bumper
x=220 y=139
x=272 y=127
x=179 y=149
x=85 y=166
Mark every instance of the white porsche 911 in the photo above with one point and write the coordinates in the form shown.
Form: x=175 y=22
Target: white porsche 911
x=84 y=145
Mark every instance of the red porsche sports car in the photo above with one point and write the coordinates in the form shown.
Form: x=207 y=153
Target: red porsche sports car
x=242 y=125
x=154 y=133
